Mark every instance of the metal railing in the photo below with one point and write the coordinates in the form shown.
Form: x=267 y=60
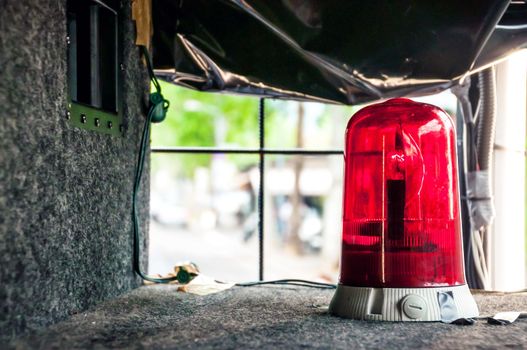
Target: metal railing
x=262 y=152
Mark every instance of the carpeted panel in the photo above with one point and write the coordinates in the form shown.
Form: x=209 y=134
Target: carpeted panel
x=263 y=317
x=65 y=193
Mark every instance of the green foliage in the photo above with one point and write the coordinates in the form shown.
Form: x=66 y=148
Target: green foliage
x=204 y=119
x=201 y=119
x=280 y=124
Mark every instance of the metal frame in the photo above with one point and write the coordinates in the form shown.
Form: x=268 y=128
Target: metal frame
x=262 y=152
x=86 y=116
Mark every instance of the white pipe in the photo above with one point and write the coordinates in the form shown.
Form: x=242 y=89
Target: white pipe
x=507 y=250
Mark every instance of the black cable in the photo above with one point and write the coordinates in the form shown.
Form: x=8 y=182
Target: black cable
x=467 y=162
x=487 y=125
x=472 y=165
x=151 y=73
x=465 y=222
x=293 y=282
x=483 y=141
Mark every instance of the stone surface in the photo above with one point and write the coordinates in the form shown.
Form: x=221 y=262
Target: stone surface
x=272 y=317
x=65 y=193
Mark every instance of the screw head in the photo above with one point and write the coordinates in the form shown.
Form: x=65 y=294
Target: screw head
x=83 y=118
x=413 y=306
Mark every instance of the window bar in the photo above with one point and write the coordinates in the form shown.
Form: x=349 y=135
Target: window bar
x=261 y=129
x=213 y=150
x=261 y=151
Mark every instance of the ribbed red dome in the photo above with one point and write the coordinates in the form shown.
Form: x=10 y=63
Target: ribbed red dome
x=401 y=224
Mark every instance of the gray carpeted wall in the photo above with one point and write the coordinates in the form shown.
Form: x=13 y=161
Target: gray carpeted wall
x=65 y=193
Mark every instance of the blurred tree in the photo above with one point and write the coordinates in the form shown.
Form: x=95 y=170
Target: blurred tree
x=201 y=119
x=296 y=195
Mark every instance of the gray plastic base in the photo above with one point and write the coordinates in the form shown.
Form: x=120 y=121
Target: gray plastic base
x=403 y=304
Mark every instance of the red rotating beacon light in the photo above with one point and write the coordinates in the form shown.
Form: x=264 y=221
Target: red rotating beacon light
x=402 y=254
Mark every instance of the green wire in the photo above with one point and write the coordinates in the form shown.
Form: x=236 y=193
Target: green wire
x=143 y=147
x=137 y=184
x=153 y=77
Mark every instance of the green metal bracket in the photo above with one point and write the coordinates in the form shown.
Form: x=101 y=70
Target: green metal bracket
x=94 y=69
x=90 y=118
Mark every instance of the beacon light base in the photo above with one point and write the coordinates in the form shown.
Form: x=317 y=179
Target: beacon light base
x=403 y=304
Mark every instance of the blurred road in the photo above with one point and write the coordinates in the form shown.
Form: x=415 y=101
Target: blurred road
x=224 y=256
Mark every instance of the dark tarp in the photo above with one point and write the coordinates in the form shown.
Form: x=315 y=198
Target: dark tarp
x=328 y=50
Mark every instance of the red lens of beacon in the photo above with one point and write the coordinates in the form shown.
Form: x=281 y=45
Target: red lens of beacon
x=401 y=225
